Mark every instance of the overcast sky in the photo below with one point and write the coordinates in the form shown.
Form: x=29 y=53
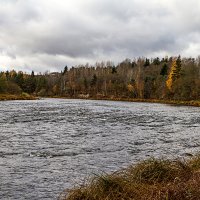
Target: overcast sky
x=43 y=35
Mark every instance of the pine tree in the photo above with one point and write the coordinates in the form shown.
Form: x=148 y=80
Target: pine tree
x=177 y=72
x=147 y=62
x=114 y=70
x=164 y=69
x=65 y=70
x=94 y=80
x=156 y=61
x=30 y=83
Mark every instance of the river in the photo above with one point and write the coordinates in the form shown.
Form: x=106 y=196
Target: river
x=49 y=145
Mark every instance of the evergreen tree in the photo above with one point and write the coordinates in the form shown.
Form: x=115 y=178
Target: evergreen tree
x=114 y=70
x=164 y=70
x=32 y=74
x=85 y=84
x=177 y=72
x=147 y=62
x=30 y=83
x=65 y=70
x=20 y=79
x=94 y=80
x=156 y=61
x=7 y=75
x=41 y=83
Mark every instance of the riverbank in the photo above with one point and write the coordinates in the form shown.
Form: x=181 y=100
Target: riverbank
x=23 y=96
x=172 y=102
x=152 y=179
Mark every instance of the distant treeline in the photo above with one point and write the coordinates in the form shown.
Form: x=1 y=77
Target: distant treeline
x=142 y=78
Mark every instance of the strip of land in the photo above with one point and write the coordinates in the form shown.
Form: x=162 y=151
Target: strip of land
x=6 y=97
x=172 y=102
x=25 y=96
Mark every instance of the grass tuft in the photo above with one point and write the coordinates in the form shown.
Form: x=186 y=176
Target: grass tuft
x=153 y=179
x=159 y=171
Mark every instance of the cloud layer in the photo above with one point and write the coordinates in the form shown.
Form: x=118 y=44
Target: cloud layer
x=46 y=35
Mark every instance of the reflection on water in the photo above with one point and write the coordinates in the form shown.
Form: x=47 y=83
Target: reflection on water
x=48 y=145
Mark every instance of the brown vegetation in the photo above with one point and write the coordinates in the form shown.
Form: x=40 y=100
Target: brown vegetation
x=23 y=96
x=153 y=179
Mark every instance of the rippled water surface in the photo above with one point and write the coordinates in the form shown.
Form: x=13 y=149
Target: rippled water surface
x=48 y=145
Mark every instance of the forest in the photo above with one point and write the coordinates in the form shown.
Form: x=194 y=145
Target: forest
x=170 y=78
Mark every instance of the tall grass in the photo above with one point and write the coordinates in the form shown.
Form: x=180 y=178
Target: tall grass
x=153 y=179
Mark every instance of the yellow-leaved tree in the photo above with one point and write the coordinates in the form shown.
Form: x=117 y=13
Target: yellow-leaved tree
x=175 y=72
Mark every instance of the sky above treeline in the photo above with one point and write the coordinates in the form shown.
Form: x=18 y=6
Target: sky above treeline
x=46 y=35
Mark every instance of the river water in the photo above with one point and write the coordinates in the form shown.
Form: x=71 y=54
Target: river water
x=49 y=145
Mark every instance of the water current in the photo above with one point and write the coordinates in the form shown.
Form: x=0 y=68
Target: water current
x=49 y=145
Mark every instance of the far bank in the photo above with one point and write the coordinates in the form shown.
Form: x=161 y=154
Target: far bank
x=25 y=96
x=195 y=103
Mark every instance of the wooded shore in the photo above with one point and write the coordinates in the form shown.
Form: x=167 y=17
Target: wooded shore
x=165 y=79
x=196 y=103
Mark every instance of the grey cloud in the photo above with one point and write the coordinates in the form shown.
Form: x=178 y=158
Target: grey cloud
x=48 y=34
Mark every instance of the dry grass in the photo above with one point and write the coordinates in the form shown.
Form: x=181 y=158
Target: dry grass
x=152 y=179
x=23 y=96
